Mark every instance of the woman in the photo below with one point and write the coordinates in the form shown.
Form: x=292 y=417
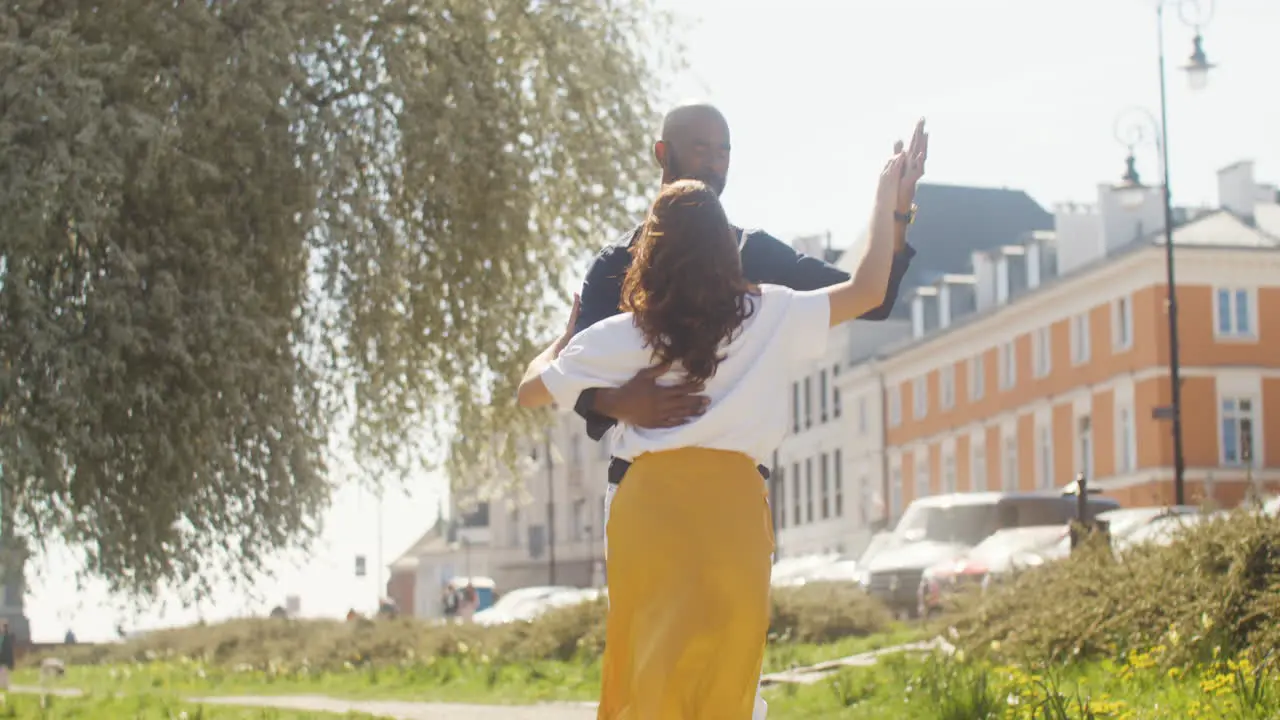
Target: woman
x=690 y=534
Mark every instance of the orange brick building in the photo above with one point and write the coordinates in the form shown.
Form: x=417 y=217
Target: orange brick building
x=1062 y=367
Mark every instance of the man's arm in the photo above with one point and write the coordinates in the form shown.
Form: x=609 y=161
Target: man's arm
x=776 y=261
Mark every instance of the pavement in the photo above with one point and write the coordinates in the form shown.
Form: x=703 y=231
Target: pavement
x=405 y=710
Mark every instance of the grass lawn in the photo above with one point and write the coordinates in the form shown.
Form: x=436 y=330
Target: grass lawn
x=144 y=706
x=1138 y=689
x=466 y=677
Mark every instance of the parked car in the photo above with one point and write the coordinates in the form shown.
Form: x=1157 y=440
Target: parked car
x=788 y=569
x=838 y=569
x=1001 y=554
x=1163 y=530
x=1272 y=507
x=942 y=528
x=528 y=603
x=1124 y=522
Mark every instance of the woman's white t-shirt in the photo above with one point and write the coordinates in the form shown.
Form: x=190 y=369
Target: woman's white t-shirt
x=748 y=393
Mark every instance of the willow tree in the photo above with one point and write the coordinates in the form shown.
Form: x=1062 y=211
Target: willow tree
x=231 y=231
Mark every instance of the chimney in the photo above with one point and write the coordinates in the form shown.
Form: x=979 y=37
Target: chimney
x=1129 y=216
x=1078 y=229
x=984 y=274
x=924 y=311
x=956 y=298
x=1237 y=190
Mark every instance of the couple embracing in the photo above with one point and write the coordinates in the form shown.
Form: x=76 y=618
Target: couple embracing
x=680 y=348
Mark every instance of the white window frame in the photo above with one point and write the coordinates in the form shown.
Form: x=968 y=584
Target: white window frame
x=895 y=492
x=1008 y=365
x=920 y=398
x=1235 y=414
x=862 y=415
x=922 y=478
x=1084 y=462
x=1009 y=470
x=1041 y=352
x=1235 y=332
x=948 y=472
x=1122 y=323
x=895 y=406
x=1080 y=339
x=1044 y=457
x=1126 y=440
x=947 y=386
x=978 y=464
x=977 y=377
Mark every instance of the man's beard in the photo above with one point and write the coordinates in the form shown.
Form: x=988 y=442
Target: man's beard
x=713 y=179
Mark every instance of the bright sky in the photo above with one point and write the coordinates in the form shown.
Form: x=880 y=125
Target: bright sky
x=1018 y=93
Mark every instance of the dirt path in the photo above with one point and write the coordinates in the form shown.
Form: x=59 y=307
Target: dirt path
x=411 y=710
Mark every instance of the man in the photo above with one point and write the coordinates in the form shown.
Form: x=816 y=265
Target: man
x=6 y=655
x=695 y=145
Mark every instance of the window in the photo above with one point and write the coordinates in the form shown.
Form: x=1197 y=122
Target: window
x=808 y=490
x=835 y=392
x=1122 y=324
x=808 y=403
x=862 y=415
x=1084 y=444
x=795 y=407
x=1008 y=366
x=1009 y=475
x=780 y=498
x=578 y=519
x=838 y=461
x=1041 y=352
x=1233 y=312
x=1126 y=445
x=895 y=493
x=978 y=465
x=948 y=473
x=922 y=477
x=1080 y=339
x=1237 y=432
x=1044 y=457
x=895 y=406
x=977 y=378
x=537 y=541
x=822 y=395
x=795 y=495
x=864 y=500
x=919 y=398
x=825 y=470
x=947 y=387
x=513 y=528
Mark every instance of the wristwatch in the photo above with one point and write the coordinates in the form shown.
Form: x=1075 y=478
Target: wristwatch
x=907 y=217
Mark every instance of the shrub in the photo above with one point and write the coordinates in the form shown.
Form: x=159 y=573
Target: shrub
x=813 y=613
x=1215 y=590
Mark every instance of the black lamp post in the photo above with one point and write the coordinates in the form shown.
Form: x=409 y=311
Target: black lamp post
x=1195 y=13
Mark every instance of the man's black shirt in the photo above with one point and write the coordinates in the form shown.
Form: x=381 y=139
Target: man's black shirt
x=765 y=260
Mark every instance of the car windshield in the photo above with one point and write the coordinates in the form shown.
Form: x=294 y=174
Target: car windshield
x=964 y=524
x=970 y=524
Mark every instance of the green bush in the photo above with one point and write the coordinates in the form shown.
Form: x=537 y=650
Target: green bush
x=813 y=613
x=1214 y=591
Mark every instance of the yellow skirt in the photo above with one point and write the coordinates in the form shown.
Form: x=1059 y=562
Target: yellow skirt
x=690 y=537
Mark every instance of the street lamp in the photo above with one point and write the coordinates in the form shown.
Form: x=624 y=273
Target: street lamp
x=1195 y=13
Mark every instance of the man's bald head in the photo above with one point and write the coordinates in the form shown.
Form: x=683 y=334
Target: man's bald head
x=694 y=145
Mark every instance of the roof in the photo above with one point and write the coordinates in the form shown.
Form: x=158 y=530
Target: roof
x=1215 y=229
x=433 y=540
x=953 y=221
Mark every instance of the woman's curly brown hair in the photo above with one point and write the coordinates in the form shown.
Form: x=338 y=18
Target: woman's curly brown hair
x=685 y=286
